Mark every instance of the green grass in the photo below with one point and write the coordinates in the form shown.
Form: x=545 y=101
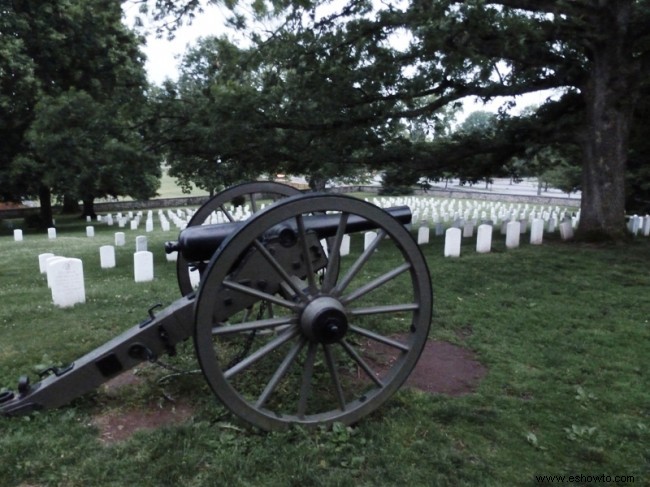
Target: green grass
x=169 y=188
x=563 y=328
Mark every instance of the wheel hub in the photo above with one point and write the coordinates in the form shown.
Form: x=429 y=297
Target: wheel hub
x=324 y=320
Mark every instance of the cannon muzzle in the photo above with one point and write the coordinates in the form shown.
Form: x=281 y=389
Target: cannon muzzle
x=198 y=243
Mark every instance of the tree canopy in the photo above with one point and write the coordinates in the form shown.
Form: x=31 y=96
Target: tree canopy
x=327 y=89
x=370 y=67
x=72 y=89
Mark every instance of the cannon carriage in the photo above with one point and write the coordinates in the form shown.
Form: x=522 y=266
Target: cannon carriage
x=286 y=327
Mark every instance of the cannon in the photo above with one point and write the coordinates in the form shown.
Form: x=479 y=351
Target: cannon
x=286 y=327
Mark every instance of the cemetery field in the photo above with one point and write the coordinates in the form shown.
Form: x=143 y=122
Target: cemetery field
x=562 y=328
x=169 y=188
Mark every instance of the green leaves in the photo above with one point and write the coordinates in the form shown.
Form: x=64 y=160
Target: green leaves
x=72 y=91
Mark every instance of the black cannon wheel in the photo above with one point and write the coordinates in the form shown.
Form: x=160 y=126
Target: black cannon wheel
x=242 y=194
x=344 y=334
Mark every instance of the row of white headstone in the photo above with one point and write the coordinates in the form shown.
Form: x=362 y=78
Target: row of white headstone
x=458 y=212
x=435 y=211
x=513 y=232
x=639 y=225
x=65 y=276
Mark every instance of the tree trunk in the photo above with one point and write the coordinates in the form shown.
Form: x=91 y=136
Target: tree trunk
x=609 y=98
x=89 y=207
x=70 y=205
x=45 y=199
x=317 y=183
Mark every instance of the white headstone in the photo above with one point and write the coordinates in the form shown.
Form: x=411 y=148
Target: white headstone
x=148 y=225
x=326 y=249
x=140 y=243
x=67 y=282
x=440 y=229
x=143 y=266
x=107 y=256
x=537 y=231
x=88 y=219
x=468 y=229
x=120 y=239
x=523 y=226
x=513 y=231
x=134 y=224
x=90 y=231
x=484 y=239
x=51 y=233
x=368 y=238
x=195 y=278
x=345 y=245
x=634 y=225
x=165 y=225
x=18 y=235
x=42 y=261
x=452 y=242
x=646 y=226
x=423 y=235
x=172 y=256
x=566 y=230
x=48 y=263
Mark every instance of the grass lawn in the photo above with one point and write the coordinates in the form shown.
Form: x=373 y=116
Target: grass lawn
x=170 y=189
x=563 y=328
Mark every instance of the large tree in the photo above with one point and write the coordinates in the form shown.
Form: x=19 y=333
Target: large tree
x=597 y=52
x=231 y=116
x=92 y=149
x=72 y=77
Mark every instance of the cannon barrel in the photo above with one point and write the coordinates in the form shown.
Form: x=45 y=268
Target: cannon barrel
x=198 y=243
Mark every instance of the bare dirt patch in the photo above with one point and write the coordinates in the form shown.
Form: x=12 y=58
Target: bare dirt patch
x=443 y=368
x=121 y=424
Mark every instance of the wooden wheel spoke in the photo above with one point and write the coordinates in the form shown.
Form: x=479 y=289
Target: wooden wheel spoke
x=335 y=254
x=253 y=203
x=280 y=373
x=331 y=366
x=227 y=213
x=361 y=363
x=261 y=352
x=256 y=325
x=235 y=286
x=302 y=237
x=280 y=270
x=307 y=374
x=359 y=263
x=376 y=283
x=380 y=338
x=383 y=309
